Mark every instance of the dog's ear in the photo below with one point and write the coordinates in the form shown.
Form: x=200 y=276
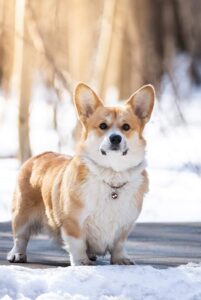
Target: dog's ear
x=86 y=101
x=142 y=102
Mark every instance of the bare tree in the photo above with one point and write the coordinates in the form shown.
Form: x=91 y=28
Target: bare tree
x=7 y=23
x=23 y=81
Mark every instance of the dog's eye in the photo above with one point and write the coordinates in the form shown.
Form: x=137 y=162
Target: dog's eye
x=103 y=126
x=126 y=127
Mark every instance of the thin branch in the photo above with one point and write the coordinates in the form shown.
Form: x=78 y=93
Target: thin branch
x=104 y=44
x=177 y=96
x=39 y=43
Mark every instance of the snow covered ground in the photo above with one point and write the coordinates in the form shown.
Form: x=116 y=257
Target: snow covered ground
x=102 y=282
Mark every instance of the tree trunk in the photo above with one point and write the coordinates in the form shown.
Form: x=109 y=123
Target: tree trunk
x=23 y=60
x=7 y=17
x=105 y=43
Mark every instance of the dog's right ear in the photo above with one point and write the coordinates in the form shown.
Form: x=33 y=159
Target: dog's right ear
x=86 y=101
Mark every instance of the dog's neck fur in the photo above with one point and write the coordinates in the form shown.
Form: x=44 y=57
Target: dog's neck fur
x=111 y=176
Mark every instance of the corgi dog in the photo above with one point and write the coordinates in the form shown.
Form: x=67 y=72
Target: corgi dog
x=89 y=202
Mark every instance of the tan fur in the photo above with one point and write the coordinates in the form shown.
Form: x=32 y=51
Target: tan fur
x=74 y=204
x=113 y=117
x=143 y=189
x=36 y=198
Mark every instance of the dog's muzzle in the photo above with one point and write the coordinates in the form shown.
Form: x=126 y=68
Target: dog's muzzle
x=114 y=143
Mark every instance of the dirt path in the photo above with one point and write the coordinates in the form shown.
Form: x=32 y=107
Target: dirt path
x=157 y=244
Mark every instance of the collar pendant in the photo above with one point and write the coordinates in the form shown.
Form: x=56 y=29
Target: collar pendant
x=114 y=195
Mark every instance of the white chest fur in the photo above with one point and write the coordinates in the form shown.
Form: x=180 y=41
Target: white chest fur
x=106 y=218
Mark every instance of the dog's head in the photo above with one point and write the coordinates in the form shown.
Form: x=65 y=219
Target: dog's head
x=112 y=136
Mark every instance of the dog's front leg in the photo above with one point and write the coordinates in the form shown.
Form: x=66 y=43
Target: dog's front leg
x=77 y=248
x=119 y=255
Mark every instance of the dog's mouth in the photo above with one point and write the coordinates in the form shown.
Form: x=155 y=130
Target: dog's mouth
x=103 y=152
x=114 y=147
x=125 y=152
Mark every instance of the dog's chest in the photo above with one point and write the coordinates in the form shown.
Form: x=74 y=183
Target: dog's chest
x=108 y=217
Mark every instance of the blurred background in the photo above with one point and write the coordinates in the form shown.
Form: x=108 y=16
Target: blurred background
x=115 y=46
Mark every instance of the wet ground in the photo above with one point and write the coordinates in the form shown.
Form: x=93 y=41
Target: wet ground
x=157 y=244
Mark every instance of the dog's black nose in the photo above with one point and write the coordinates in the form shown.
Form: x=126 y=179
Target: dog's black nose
x=115 y=139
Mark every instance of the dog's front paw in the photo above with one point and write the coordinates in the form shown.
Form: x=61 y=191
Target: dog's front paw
x=82 y=262
x=16 y=257
x=122 y=261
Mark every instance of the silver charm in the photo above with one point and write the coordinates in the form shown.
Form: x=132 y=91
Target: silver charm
x=114 y=195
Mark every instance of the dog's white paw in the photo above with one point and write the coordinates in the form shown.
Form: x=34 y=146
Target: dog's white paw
x=16 y=257
x=122 y=261
x=83 y=262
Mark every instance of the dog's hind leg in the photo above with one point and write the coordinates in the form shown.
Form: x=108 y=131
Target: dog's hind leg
x=21 y=235
x=23 y=228
x=27 y=216
x=24 y=224
x=18 y=252
x=20 y=228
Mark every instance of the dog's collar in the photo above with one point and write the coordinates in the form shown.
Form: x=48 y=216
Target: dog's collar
x=115 y=187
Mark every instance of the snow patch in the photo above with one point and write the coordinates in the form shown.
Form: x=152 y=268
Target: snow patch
x=101 y=282
x=8 y=174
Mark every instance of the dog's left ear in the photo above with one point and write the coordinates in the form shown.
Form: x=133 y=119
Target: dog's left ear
x=86 y=101
x=142 y=102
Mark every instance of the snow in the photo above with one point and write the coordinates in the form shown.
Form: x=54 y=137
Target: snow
x=8 y=127
x=174 y=160
x=8 y=173
x=101 y=282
